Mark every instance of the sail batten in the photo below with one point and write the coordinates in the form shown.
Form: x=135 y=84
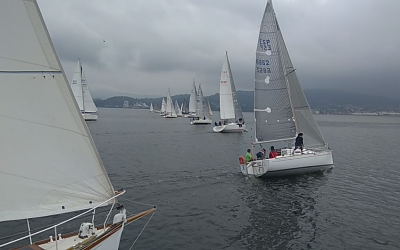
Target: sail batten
x=60 y=170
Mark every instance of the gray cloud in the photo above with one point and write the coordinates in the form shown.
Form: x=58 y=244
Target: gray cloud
x=152 y=45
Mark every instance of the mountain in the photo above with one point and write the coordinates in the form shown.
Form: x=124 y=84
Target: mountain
x=317 y=98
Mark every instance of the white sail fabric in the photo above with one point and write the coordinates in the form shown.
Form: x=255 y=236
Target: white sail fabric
x=201 y=105
x=89 y=105
x=209 y=108
x=304 y=118
x=272 y=106
x=169 y=108
x=177 y=109
x=151 y=107
x=227 y=110
x=49 y=163
x=76 y=85
x=163 y=106
x=236 y=104
x=193 y=99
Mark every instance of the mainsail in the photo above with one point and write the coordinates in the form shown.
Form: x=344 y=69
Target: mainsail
x=229 y=105
x=89 y=105
x=51 y=177
x=201 y=105
x=273 y=111
x=193 y=99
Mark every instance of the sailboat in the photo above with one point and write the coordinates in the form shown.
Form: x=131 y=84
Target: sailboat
x=163 y=107
x=169 y=107
x=151 y=108
x=82 y=94
x=230 y=111
x=61 y=170
x=202 y=113
x=185 y=108
x=281 y=110
x=209 y=108
x=178 y=110
x=192 y=102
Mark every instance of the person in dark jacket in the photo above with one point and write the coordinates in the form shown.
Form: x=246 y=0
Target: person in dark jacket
x=299 y=142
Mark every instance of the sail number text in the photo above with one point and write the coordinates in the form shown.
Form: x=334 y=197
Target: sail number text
x=263 y=70
x=262 y=62
x=265 y=44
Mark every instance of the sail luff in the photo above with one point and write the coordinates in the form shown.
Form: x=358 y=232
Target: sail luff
x=61 y=170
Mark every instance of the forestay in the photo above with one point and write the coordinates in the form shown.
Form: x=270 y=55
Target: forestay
x=273 y=111
x=49 y=164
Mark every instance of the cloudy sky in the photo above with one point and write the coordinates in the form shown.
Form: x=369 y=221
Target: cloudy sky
x=151 y=45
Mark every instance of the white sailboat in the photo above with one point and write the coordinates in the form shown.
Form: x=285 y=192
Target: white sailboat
x=151 y=108
x=281 y=110
x=178 y=109
x=230 y=111
x=61 y=170
x=202 y=113
x=209 y=109
x=185 y=108
x=169 y=107
x=82 y=94
x=192 y=102
x=163 y=107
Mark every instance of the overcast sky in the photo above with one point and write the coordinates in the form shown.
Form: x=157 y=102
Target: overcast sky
x=151 y=45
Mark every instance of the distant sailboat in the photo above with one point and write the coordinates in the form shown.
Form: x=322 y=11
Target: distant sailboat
x=209 y=109
x=169 y=107
x=202 y=113
x=281 y=110
x=163 y=107
x=185 y=108
x=230 y=111
x=193 y=102
x=178 y=109
x=50 y=161
x=151 y=108
x=82 y=94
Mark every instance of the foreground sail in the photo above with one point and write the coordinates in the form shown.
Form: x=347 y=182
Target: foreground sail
x=60 y=171
x=202 y=112
x=282 y=111
x=230 y=111
x=82 y=94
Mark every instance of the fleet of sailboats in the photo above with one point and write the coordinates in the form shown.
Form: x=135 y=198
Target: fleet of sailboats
x=82 y=94
x=48 y=183
x=281 y=110
x=61 y=170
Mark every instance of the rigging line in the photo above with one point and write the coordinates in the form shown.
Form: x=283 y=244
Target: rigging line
x=142 y=230
x=16 y=60
x=38 y=123
x=136 y=202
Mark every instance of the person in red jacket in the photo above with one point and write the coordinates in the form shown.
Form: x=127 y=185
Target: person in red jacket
x=272 y=153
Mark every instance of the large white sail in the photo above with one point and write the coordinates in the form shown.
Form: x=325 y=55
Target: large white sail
x=273 y=111
x=193 y=99
x=227 y=109
x=51 y=177
x=151 y=108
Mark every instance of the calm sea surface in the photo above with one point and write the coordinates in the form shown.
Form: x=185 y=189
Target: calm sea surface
x=203 y=201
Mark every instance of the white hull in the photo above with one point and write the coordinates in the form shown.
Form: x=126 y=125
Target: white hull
x=170 y=116
x=109 y=243
x=290 y=164
x=90 y=116
x=230 y=128
x=201 y=122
